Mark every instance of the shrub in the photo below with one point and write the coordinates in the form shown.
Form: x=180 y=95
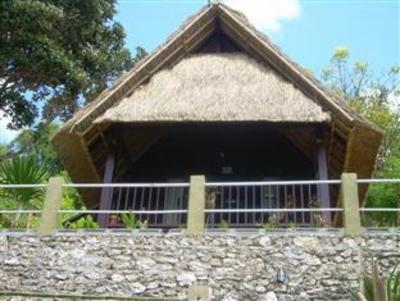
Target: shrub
x=131 y=222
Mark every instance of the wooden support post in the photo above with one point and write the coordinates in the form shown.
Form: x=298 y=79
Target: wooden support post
x=196 y=217
x=106 y=192
x=323 y=189
x=52 y=203
x=199 y=293
x=350 y=201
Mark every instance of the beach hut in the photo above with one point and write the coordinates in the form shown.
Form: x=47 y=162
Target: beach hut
x=219 y=99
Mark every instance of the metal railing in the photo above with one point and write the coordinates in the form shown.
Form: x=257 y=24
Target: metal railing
x=381 y=217
x=226 y=204
x=19 y=219
x=162 y=205
x=247 y=204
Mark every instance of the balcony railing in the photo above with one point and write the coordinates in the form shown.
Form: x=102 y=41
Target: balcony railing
x=162 y=205
x=198 y=205
x=241 y=204
x=150 y=202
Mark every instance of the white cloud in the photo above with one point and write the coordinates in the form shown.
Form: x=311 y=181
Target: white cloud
x=6 y=135
x=267 y=14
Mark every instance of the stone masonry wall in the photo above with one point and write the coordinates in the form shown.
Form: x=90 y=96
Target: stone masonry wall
x=236 y=267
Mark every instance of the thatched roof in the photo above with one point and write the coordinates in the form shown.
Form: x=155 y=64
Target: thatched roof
x=216 y=87
x=193 y=32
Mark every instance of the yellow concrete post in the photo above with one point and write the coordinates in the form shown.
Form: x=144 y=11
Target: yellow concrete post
x=52 y=203
x=199 y=293
x=350 y=201
x=195 y=221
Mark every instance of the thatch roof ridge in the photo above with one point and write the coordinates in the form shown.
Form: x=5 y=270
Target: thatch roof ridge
x=218 y=87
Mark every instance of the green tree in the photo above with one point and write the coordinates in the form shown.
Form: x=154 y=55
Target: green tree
x=35 y=142
x=375 y=97
x=385 y=195
x=59 y=54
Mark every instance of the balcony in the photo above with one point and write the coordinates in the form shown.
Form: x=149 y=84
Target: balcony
x=201 y=205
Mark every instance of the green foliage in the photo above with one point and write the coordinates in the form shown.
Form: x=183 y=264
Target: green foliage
x=368 y=287
x=58 y=53
x=25 y=221
x=223 y=224
x=86 y=222
x=376 y=288
x=3 y=151
x=393 y=285
x=131 y=222
x=341 y=54
x=269 y=227
x=142 y=225
x=370 y=94
x=384 y=196
x=35 y=142
x=5 y=221
x=373 y=96
x=23 y=170
x=71 y=198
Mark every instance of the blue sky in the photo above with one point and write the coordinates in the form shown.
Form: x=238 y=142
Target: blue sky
x=306 y=30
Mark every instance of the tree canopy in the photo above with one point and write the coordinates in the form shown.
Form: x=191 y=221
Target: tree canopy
x=56 y=55
x=377 y=97
x=35 y=142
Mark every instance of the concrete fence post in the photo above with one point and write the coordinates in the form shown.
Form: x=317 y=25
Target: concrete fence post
x=350 y=202
x=52 y=203
x=199 y=293
x=196 y=217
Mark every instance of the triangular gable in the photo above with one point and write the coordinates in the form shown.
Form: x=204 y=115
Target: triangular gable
x=188 y=39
